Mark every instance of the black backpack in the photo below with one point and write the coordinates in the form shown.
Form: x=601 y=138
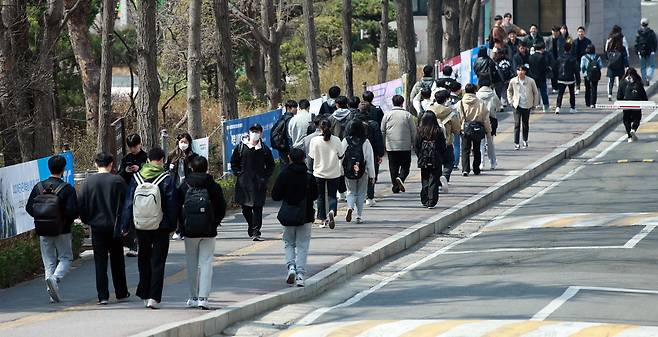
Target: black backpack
x=354 y=161
x=562 y=69
x=427 y=158
x=505 y=71
x=593 y=69
x=279 y=139
x=426 y=85
x=615 y=60
x=48 y=212
x=642 y=42
x=633 y=91
x=199 y=215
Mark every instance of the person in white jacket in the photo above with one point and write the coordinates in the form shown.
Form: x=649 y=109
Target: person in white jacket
x=492 y=102
x=358 y=167
x=422 y=101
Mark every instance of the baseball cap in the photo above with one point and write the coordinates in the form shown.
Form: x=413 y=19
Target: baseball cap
x=256 y=127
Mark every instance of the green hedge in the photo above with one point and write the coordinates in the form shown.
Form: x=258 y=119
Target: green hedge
x=21 y=260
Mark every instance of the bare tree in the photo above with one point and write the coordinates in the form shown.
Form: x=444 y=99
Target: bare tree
x=434 y=31
x=148 y=95
x=383 y=43
x=194 y=70
x=451 y=26
x=469 y=20
x=228 y=105
x=78 y=29
x=348 y=73
x=105 y=139
x=311 y=50
x=406 y=46
x=9 y=78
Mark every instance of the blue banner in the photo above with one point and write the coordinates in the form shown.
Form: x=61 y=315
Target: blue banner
x=235 y=129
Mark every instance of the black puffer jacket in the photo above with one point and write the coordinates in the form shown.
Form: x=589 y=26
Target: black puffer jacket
x=539 y=62
x=567 y=67
x=486 y=67
x=217 y=201
x=289 y=186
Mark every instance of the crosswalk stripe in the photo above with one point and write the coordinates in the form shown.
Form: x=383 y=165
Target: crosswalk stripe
x=397 y=328
x=602 y=330
x=560 y=329
x=355 y=329
x=516 y=329
x=433 y=329
x=476 y=328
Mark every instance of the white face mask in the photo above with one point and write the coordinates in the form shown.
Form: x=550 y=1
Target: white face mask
x=254 y=136
x=183 y=146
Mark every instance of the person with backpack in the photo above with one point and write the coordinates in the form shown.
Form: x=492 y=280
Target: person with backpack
x=375 y=113
x=555 y=47
x=430 y=148
x=329 y=106
x=280 y=137
x=451 y=125
x=475 y=127
x=178 y=163
x=131 y=163
x=590 y=66
x=505 y=73
x=493 y=104
x=374 y=136
x=297 y=190
x=539 y=70
x=567 y=70
x=446 y=81
x=252 y=163
x=398 y=132
x=299 y=125
x=100 y=201
x=326 y=152
x=427 y=82
x=358 y=168
x=53 y=204
x=631 y=88
x=422 y=100
x=485 y=67
x=616 y=54
x=151 y=202
x=646 y=45
x=339 y=118
x=524 y=96
x=201 y=208
x=579 y=48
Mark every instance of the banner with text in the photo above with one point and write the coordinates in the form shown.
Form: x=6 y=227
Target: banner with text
x=384 y=92
x=16 y=183
x=235 y=129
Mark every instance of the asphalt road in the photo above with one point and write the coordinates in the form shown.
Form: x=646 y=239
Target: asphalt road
x=572 y=254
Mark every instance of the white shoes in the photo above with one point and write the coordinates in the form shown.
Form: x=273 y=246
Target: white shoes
x=557 y=110
x=331 y=221
x=299 y=280
x=634 y=136
x=525 y=144
x=203 y=304
x=152 y=304
x=630 y=139
x=359 y=220
x=290 y=278
x=341 y=197
x=371 y=202
x=191 y=303
x=177 y=236
x=516 y=146
x=573 y=110
x=577 y=91
x=53 y=289
x=444 y=184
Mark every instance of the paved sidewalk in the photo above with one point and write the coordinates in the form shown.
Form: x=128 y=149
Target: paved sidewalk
x=244 y=269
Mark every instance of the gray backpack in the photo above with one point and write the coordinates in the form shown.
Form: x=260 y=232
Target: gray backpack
x=147 y=203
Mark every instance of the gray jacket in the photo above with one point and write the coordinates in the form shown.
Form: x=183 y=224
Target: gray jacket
x=398 y=130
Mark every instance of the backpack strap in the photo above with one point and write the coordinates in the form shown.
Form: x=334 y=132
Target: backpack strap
x=59 y=188
x=41 y=188
x=139 y=179
x=160 y=178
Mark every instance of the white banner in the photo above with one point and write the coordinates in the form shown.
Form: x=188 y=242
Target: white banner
x=201 y=146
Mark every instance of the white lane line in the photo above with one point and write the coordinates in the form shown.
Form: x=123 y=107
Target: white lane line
x=313 y=316
x=530 y=249
x=555 y=304
x=639 y=236
x=620 y=290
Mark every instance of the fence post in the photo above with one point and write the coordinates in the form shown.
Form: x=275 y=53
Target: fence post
x=163 y=140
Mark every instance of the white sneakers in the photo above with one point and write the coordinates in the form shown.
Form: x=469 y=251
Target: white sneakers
x=152 y=304
x=290 y=279
x=516 y=146
x=299 y=280
x=634 y=136
x=557 y=110
x=444 y=184
x=192 y=303
x=177 y=236
x=331 y=221
x=359 y=220
x=525 y=144
x=203 y=303
x=371 y=202
x=53 y=289
x=577 y=91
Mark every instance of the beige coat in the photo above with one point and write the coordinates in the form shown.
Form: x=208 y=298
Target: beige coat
x=448 y=119
x=532 y=94
x=470 y=109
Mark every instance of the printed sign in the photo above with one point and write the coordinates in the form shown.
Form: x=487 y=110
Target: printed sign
x=384 y=92
x=235 y=129
x=201 y=146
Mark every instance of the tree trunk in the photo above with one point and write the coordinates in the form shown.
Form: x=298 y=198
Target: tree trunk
x=105 y=140
x=255 y=70
x=434 y=31
x=451 y=28
x=8 y=112
x=468 y=23
x=406 y=47
x=148 y=95
x=311 y=50
x=273 y=75
x=348 y=74
x=228 y=105
x=383 y=43
x=87 y=66
x=194 y=71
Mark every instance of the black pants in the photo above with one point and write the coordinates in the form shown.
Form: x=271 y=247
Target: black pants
x=521 y=116
x=399 y=163
x=632 y=119
x=153 y=251
x=106 y=244
x=342 y=187
x=283 y=158
x=130 y=240
x=590 y=92
x=468 y=145
x=254 y=217
x=561 y=88
x=429 y=180
x=578 y=76
x=449 y=161
x=371 y=184
x=554 y=83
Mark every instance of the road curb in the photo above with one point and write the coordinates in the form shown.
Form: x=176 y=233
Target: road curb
x=215 y=322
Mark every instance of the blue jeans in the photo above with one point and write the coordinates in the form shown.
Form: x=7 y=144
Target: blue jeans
x=296 y=240
x=456 y=151
x=647 y=61
x=57 y=255
x=327 y=189
x=356 y=193
x=543 y=91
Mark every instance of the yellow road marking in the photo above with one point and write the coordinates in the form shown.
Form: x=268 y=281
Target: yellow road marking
x=516 y=329
x=650 y=127
x=433 y=329
x=355 y=329
x=602 y=331
x=565 y=221
x=648 y=160
x=294 y=331
x=631 y=220
x=623 y=161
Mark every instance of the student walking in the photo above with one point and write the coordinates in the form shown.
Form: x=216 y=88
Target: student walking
x=540 y=69
x=131 y=163
x=591 y=65
x=485 y=67
x=253 y=164
x=375 y=112
x=567 y=71
x=398 y=132
x=430 y=147
x=280 y=137
x=451 y=125
x=631 y=89
x=555 y=48
x=374 y=136
x=298 y=126
x=493 y=104
x=358 y=168
x=100 y=201
x=297 y=189
x=426 y=83
x=326 y=152
x=580 y=44
x=617 y=56
x=646 y=45
x=523 y=95
x=154 y=221
x=329 y=106
x=178 y=163
x=475 y=126
x=53 y=204
x=202 y=208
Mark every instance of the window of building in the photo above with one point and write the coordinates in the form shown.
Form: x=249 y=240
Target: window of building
x=543 y=13
x=419 y=7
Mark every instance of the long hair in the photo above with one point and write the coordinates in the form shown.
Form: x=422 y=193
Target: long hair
x=177 y=153
x=616 y=43
x=325 y=127
x=632 y=73
x=428 y=128
x=616 y=30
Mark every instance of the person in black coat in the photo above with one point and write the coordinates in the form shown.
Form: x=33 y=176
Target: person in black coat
x=631 y=88
x=131 y=164
x=431 y=174
x=540 y=66
x=178 y=161
x=200 y=232
x=374 y=135
x=253 y=164
x=580 y=44
x=296 y=188
x=329 y=106
x=375 y=113
x=486 y=67
x=567 y=71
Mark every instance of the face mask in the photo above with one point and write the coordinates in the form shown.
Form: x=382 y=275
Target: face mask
x=254 y=136
x=183 y=146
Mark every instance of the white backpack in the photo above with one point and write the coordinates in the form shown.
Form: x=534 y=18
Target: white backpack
x=147 y=203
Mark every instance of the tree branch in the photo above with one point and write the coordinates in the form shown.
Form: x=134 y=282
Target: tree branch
x=255 y=29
